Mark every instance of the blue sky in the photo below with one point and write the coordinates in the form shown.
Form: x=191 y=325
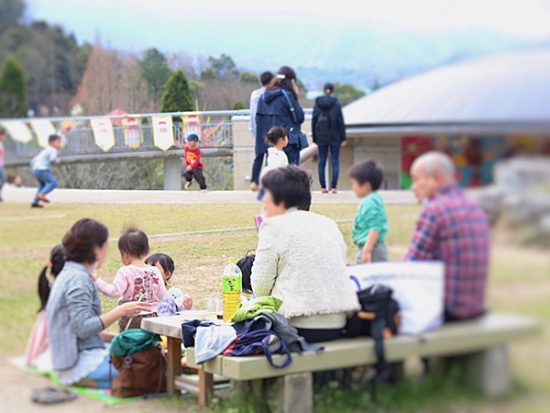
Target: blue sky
x=344 y=35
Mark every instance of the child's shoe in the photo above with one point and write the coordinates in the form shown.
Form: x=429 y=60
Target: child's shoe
x=334 y=191
x=44 y=198
x=253 y=186
x=187 y=185
x=324 y=190
x=36 y=205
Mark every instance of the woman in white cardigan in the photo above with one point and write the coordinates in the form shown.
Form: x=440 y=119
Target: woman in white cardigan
x=301 y=259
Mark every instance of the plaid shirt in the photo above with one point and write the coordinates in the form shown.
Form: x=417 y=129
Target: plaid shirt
x=455 y=230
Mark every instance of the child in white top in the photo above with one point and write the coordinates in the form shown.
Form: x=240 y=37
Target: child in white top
x=276 y=158
x=136 y=281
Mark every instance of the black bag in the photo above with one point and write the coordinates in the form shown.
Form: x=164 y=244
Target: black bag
x=378 y=318
x=323 y=130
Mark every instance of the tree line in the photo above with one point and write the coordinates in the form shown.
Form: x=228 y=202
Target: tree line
x=48 y=71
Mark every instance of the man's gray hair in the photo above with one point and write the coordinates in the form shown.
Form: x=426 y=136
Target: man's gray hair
x=435 y=162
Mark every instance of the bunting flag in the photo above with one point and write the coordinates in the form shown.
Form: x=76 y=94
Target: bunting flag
x=163 y=132
x=42 y=128
x=18 y=130
x=132 y=132
x=103 y=132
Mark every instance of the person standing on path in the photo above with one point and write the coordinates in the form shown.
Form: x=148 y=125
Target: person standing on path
x=329 y=133
x=279 y=106
x=265 y=78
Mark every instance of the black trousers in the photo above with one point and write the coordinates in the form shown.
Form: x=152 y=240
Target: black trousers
x=257 y=168
x=198 y=175
x=318 y=335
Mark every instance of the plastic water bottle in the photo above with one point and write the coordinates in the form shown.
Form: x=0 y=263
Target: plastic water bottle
x=232 y=286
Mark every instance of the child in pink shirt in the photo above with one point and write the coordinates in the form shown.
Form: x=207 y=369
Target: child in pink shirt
x=136 y=281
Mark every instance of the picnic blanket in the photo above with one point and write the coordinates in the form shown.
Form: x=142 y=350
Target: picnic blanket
x=97 y=394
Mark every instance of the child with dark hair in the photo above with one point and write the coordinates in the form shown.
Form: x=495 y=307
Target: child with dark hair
x=164 y=263
x=40 y=166
x=193 y=163
x=136 y=280
x=371 y=224
x=277 y=139
x=38 y=342
x=245 y=265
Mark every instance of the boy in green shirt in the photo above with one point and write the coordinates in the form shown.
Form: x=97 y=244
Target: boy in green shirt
x=371 y=224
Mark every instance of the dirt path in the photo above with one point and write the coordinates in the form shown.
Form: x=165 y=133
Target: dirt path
x=15 y=392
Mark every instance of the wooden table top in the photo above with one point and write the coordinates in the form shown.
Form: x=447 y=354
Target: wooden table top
x=171 y=326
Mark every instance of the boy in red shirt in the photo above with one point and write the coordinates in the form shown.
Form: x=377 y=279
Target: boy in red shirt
x=193 y=164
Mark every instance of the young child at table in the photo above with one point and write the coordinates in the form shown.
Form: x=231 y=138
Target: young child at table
x=165 y=265
x=136 y=280
x=371 y=224
x=277 y=139
x=193 y=163
x=36 y=353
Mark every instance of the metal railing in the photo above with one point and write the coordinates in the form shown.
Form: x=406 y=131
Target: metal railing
x=213 y=127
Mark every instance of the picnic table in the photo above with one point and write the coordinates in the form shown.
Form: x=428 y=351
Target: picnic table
x=480 y=345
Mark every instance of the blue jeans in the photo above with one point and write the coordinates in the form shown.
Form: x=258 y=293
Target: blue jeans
x=3 y=178
x=104 y=374
x=46 y=181
x=334 y=162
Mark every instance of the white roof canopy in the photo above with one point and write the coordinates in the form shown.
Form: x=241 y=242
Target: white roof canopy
x=507 y=92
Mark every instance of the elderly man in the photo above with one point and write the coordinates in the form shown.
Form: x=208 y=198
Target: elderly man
x=453 y=229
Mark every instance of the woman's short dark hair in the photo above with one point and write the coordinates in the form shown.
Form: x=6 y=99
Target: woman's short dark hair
x=165 y=261
x=328 y=88
x=80 y=241
x=289 y=185
x=367 y=171
x=266 y=77
x=133 y=242
x=275 y=134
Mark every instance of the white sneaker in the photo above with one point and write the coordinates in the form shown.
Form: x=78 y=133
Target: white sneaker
x=187 y=185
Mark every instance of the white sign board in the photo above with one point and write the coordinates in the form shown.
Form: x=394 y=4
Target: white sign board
x=42 y=128
x=18 y=131
x=417 y=287
x=163 y=132
x=103 y=132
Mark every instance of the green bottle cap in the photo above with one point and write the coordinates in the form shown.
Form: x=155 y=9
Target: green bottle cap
x=232 y=260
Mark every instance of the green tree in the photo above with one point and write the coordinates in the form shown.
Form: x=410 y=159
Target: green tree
x=13 y=92
x=156 y=71
x=177 y=94
x=347 y=93
x=238 y=105
x=248 y=77
x=222 y=67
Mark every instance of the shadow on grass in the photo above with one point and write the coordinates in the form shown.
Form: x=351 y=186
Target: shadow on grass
x=429 y=394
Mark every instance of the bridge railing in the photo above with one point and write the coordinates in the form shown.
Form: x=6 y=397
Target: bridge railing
x=213 y=127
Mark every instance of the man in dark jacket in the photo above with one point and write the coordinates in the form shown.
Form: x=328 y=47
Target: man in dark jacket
x=274 y=109
x=329 y=133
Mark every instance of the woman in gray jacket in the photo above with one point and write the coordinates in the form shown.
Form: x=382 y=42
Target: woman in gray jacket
x=75 y=321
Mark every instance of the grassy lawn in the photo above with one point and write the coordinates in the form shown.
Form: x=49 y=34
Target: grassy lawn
x=519 y=283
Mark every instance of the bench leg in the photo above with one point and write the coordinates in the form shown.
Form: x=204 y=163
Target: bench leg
x=488 y=370
x=298 y=393
x=206 y=388
x=173 y=368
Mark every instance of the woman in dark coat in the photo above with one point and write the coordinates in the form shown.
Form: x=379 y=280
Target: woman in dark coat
x=279 y=106
x=329 y=133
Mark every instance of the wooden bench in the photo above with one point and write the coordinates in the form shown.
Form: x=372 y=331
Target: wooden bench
x=481 y=345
